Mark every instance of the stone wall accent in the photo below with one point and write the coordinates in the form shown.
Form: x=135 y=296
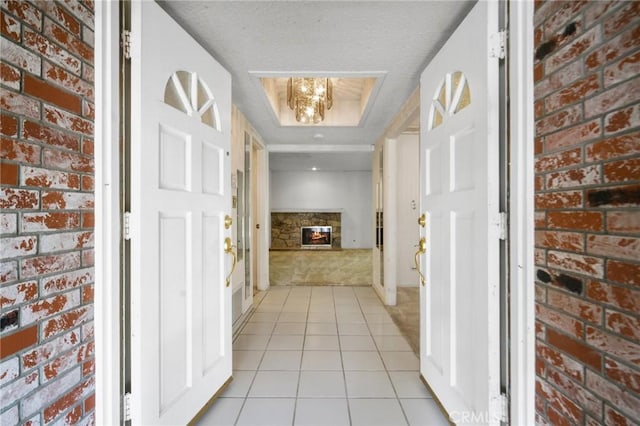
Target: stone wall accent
x=46 y=270
x=285 y=227
x=320 y=267
x=587 y=165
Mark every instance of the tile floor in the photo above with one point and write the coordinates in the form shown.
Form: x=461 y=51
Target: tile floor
x=323 y=356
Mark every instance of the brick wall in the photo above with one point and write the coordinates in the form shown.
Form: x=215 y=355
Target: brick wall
x=46 y=271
x=587 y=108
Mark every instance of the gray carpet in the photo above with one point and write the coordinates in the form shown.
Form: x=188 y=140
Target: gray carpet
x=406 y=315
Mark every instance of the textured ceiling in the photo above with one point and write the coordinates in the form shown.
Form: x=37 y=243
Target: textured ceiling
x=393 y=40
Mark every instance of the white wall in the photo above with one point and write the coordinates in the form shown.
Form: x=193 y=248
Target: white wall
x=346 y=192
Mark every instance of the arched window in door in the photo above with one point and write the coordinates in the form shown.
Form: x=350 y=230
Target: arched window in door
x=187 y=92
x=452 y=95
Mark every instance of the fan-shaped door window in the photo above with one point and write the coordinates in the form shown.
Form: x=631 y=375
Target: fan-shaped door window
x=451 y=96
x=187 y=92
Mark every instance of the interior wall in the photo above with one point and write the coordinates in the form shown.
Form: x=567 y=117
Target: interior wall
x=407 y=206
x=346 y=192
x=587 y=238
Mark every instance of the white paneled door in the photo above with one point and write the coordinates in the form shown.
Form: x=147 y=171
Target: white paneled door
x=459 y=188
x=180 y=195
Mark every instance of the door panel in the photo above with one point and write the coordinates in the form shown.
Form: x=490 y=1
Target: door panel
x=180 y=194
x=460 y=197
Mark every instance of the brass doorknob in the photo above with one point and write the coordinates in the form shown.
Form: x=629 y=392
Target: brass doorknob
x=422 y=248
x=227 y=222
x=228 y=248
x=422 y=220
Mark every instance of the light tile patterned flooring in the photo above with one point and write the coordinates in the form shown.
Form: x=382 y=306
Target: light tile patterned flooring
x=323 y=356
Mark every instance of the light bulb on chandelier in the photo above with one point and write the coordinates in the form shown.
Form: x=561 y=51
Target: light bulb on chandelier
x=309 y=98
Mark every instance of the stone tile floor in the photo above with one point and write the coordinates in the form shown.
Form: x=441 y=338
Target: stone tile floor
x=323 y=356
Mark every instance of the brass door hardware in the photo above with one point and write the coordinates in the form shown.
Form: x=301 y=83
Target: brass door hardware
x=422 y=248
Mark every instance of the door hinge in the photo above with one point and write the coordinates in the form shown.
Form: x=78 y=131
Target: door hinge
x=126 y=44
x=126 y=225
x=503 y=226
x=126 y=406
x=504 y=408
x=498 y=45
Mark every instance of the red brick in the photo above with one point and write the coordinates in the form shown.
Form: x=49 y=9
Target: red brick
x=622 y=120
x=615 y=396
x=87 y=146
x=67 y=161
x=8 y=125
x=572 y=178
x=10 y=27
x=538 y=109
x=63 y=78
x=19 y=104
x=540 y=218
x=47 y=92
x=623 y=222
x=616 y=97
x=574 y=49
x=614 y=246
x=88 y=110
x=75 y=396
x=559 y=401
x=623 y=272
x=540 y=257
x=63 y=17
x=44 y=308
x=65 y=241
x=44 y=178
x=553 y=318
x=8 y=271
x=67 y=120
x=614 y=196
x=26 y=12
x=19 y=151
x=575 y=306
x=88 y=258
x=72 y=43
x=614 y=49
x=87 y=294
x=558 y=80
x=17 y=294
x=35 y=222
x=623 y=170
x=615 y=147
x=80 y=12
x=88 y=73
x=571 y=262
x=10 y=76
x=560 y=361
x=18 y=341
x=88 y=220
x=538 y=72
x=67 y=281
x=538 y=183
x=617 y=21
x=48 y=49
x=560 y=120
x=578 y=220
x=19 y=199
x=41 y=265
x=613 y=417
x=575 y=348
x=87 y=183
x=622 y=374
x=51 y=349
x=624 y=325
x=557 y=418
x=614 y=295
x=558 y=200
x=576 y=92
x=18 y=246
x=570 y=241
x=20 y=57
x=65 y=321
x=566 y=14
x=90 y=402
x=8 y=174
x=53 y=200
x=573 y=136
x=66 y=361
x=558 y=160
x=599 y=9
x=625 y=68
x=579 y=394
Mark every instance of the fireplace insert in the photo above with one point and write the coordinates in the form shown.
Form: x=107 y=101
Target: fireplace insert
x=316 y=236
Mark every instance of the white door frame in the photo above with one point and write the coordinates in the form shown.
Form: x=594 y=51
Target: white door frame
x=107 y=215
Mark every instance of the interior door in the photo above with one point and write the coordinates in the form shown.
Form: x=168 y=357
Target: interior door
x=459 y=194
x=180 y=190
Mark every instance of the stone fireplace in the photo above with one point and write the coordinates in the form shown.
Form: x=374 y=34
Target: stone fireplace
x=287 y=230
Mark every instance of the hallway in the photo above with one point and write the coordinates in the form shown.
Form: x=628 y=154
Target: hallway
x=323 y=356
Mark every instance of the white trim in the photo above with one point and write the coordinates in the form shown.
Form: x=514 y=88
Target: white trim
x=107 y=215
x=522 y=298
x=390 y=220
x=320 y=148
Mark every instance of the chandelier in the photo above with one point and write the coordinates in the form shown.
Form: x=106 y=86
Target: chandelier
x=309 y=98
